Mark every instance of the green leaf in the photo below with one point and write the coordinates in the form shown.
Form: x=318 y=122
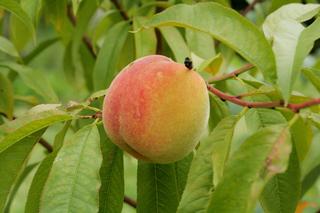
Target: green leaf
x=24 y=126
x=15 y=8
x=310 y=179
x=160 y=185
x=105 y=68
x=313 y=75
x=145 y=41
x=200 y=43
x=212 y=65
x=275 y=4
x=74 y=180
x=88 y=61
x=19 y=182
x=291 y=41
x=221 y=23
x=176 y=43
x=33 y=79
x=265 y=154
x=282 y=192
x=41 y=176
x=218 y=111
x=111 y=192
x=12 y=161
x=182 y=168
x=38 y=49
x=7 y=47
x=86 y=10
x=200 y=179
x=6 y=96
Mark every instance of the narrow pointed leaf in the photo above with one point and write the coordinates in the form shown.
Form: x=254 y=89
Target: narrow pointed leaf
x=12 y=161
x=7 y=47
x=6 y=96
x=145 y=41
x=106 y=64
x=176 y=43
x=111 y=193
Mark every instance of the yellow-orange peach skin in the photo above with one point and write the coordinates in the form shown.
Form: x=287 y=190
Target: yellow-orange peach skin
x=156 y=109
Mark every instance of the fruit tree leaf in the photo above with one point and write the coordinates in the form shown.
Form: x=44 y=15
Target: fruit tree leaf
x=200 y=179
x=200 y=43
x=145 y=41
x=313 y=75
x=225 y=25
x=35 y=80
x=265 y=153
x=15 y=8
x=105 y=67
x=41 y=176
x=23 y=127
x=12 y=161
x=291 y=41
x=160 y=185
x=176 y=43
x=6 y=96
x=7 y=47
x=111 y=192
x=74 y=182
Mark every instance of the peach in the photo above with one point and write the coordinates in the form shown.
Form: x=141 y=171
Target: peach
x=156 y=109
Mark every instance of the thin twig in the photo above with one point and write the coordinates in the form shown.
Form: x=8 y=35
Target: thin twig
x=249 y=7
x=86 y=40
x=46 y=145
x=121 y=10
x=94 y=116
x=269 y=104
x=130 y=201
x=232 y=74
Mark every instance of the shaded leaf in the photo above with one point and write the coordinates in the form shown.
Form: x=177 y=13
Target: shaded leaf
x=12 y=161
x=212 y=65
x=34 y=80
x=105 y=67
x=7 y=47
x=200 y=43
x=200 y=179
x=6 y=96
x=74 y=180
x=313 y=75
x=111 y=193
x=218 y=111
x=221 y=23
x=265 y=153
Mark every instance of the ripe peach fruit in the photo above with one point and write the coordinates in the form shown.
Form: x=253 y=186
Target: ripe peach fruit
x=156 y=109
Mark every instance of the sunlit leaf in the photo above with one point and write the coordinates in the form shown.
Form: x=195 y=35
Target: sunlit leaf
x=291 y=41
x=73 y=181
x=41 y=176
x=176 y=43
x=225 y=25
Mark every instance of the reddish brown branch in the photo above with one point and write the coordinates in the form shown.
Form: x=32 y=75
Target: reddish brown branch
x=269 y=104
x=86 y=40
x=130 y=201
x=250 y=7
x=121 y=10
x=232 y=74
